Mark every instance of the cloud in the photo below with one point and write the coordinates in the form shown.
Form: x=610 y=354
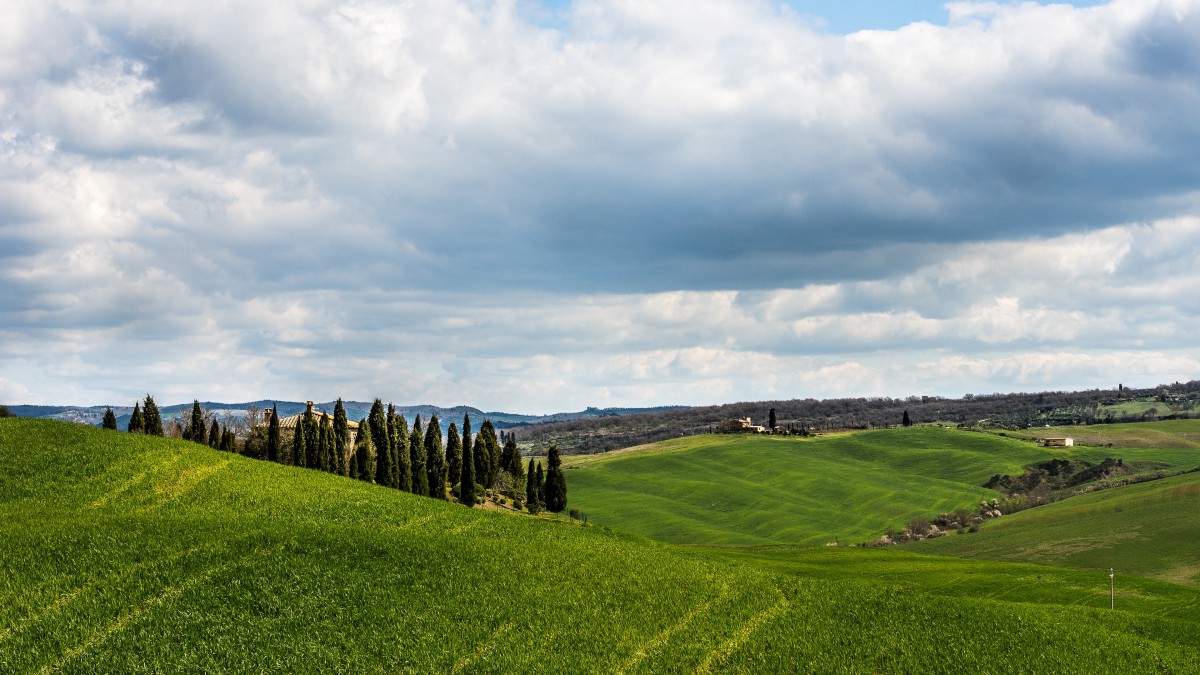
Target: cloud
x=680 y=201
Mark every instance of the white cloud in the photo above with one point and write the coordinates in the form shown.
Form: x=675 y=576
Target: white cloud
x=668 y=202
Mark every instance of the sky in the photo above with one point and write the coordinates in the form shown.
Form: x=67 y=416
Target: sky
x=541 y=206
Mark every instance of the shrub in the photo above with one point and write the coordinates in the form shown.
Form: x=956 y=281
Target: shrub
x=919 y=526
x=517 y=505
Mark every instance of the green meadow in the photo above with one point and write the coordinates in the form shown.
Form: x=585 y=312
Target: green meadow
x=746 y=490
x=131 y=554
x=1149 y=529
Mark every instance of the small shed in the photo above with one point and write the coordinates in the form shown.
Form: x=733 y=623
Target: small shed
x=1058 y=442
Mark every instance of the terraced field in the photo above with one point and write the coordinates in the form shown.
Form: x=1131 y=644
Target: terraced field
x=132 y=554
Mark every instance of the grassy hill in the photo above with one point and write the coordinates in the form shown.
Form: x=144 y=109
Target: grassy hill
x=748 y=490
x=133 y=554
x=738 y=489
x=1150 y=529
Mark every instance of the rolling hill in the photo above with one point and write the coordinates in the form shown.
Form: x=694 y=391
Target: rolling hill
x=132 y=554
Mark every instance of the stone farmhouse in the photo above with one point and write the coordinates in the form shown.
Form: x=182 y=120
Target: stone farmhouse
x=742 y=424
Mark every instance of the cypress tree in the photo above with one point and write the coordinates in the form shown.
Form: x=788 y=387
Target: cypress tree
x=393 y=441
x=453 y=454
x=273 y=435
x=510 y=457
x=403 y=457
x=341 y=436
x=362 y=453
x=228 y=440
x=555 y=490
x=153 y=420
x=771 y=420
x=532 y=499
x=196 y=432
x=298 y=457
x=320 y=461
x=540 y=481
x=383 y=446
x=311 y=449
x=416 y=452
x=466 y=476
x=329 y=461
x=110 y=419
x=435 y=461
x=491 y=454
x=137 y=423
x=214 y=435
x=468 y=442
x=906 y=421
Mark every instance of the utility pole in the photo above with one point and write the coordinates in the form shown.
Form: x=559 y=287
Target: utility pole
x=1111 y=594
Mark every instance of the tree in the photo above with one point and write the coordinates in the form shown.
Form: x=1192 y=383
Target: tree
x=416 y=453
x=329 y=461
x=906 y=421
x=137 y=423
x=214 y=435
x=540 y=481
x=533 y=498
x=273 y=435
x=403 y=458
x=311 y=449
x=298 y=457
x=453 y=454
x=394 y=470
x=110 y=419
x=435 y=461
x=510 y=456
x=771 y=420
x=383 y=446
x=228 y=440
x=195 y=430
x=554 y=494
x=466 y=476
x=364 y=470
x=468 y=443
x=488 y=469
x=153 y=420
x=341 y=438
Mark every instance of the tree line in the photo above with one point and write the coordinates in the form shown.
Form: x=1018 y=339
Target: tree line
x=601 y=434
x=383 y=450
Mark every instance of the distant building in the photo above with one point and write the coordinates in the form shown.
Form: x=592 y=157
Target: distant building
x=1058 y=442
x=742 y=424
x=291 y=421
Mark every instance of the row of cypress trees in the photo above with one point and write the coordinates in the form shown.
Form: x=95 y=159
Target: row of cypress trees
x=216 y=436
x=546 y=490
x=387 y=452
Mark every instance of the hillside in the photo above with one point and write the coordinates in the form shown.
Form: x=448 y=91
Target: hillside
x=1149 y=529
x=739 y=489
x=1014 y=410
x=754 y=490
x=132 y=554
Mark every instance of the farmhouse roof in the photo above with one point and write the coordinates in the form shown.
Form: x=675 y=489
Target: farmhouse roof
x=291 y=421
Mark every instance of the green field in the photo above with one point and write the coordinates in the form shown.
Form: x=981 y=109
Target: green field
x=1181 y=435
x=132 y=554
x=739 y=489
x=1150 y=529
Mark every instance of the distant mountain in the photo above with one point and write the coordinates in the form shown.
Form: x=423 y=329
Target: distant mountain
x=355 y=410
